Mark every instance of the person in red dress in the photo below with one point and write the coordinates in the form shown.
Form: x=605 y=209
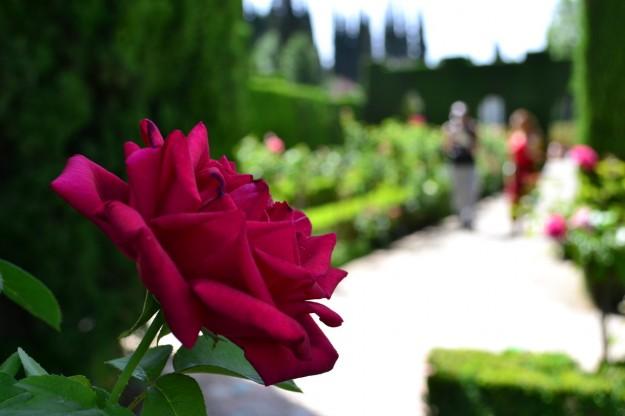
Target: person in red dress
x=525 y=159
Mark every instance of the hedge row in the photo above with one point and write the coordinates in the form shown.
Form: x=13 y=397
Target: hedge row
x=477 y=383
x=297 y=113
x=76 y=78
x=599 y=76
x=539 y=84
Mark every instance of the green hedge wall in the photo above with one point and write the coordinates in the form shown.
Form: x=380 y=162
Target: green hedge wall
x=538 y=84
x=76 y=78
x=599 y=76
x=297 y=113
x=478 y=383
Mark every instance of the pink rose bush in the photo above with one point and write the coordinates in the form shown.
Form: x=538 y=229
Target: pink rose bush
x=584 y=156
x=556 y=227
x=581 y=218
x=274 y=144
x=215 y=250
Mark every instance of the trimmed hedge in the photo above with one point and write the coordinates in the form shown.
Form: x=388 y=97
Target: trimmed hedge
x=599 y=76
x=76 y=78
x=478 y=383
x=297 y=113
x=539 y=84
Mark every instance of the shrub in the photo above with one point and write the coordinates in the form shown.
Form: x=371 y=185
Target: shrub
x=297 y=113
x=477 y=383
x=76 y=77
x=599 y=72
x=383 y=182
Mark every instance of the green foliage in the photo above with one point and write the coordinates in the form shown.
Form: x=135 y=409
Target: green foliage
x=297 y=113
x=76 y=78
x=42 y=394
x=174 y=395
x=599 y=76
x=299 y=62
x=538 y=84
x=151 y=365
x=599 y=248
x=383 y=182
x=29 y=293
x=476 y=383
x=213 y=354
x=264 y=57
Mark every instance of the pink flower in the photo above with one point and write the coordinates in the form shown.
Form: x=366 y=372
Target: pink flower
x=417 y=120
x=215 y=250
x=581 y=218
x=556 y=227
x=274 y=144
x=584 y=156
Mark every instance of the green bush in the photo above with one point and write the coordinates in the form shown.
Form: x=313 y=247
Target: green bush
x=297 y=113
x=477 y=383
x=299 y=61
x=599 y=76
x=76 y=78
x=384 y=181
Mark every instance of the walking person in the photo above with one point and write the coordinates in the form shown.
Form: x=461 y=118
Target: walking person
x=460 y=144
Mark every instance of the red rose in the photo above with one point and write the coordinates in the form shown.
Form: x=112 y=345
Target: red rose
x=215 y=250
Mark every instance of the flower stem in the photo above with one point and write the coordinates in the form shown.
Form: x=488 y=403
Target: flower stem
x=135 y=358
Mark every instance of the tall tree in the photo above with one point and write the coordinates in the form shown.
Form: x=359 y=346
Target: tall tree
x=599 y=70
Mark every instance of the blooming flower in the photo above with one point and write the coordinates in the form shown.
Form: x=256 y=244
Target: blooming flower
x=215 y=250
x=556 y=227
x=274 y=144
x=584 y=156
x=581 y=218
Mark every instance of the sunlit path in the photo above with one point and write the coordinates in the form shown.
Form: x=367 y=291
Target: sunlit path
x=439 y=287
x=444 y=287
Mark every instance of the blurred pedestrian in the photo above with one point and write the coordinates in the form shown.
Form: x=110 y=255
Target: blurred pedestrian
x=525 y=151
x=460 y=144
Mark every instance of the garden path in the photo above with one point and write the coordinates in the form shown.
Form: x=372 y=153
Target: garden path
x=439 y=287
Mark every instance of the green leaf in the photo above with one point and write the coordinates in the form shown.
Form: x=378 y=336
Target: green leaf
x=81 y=379
x=31 y=367
x=11 y=365
x=174 y=395
x=220 y=356
x=163 y=332
x=150 y=307
x=29 y=293
x=63 y=387
x=7 y=387
x=52 y=395
x=151 y=365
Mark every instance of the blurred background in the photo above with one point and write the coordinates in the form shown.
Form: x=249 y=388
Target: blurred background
x=339 y=106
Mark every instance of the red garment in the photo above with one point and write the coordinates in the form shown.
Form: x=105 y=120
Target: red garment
x=523 y=178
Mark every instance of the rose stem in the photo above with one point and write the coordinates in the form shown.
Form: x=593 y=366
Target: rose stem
x=135 y=358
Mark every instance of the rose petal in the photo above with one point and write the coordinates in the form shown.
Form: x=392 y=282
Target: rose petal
x=274 y=238
x=325 y=314
x=150 y=134
x=159 y=274
x=87 y=187
x=276 y=363
x=253 y=199
x=198 y=146
x=233 y=313
x=212 y=245
x=316 y=252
